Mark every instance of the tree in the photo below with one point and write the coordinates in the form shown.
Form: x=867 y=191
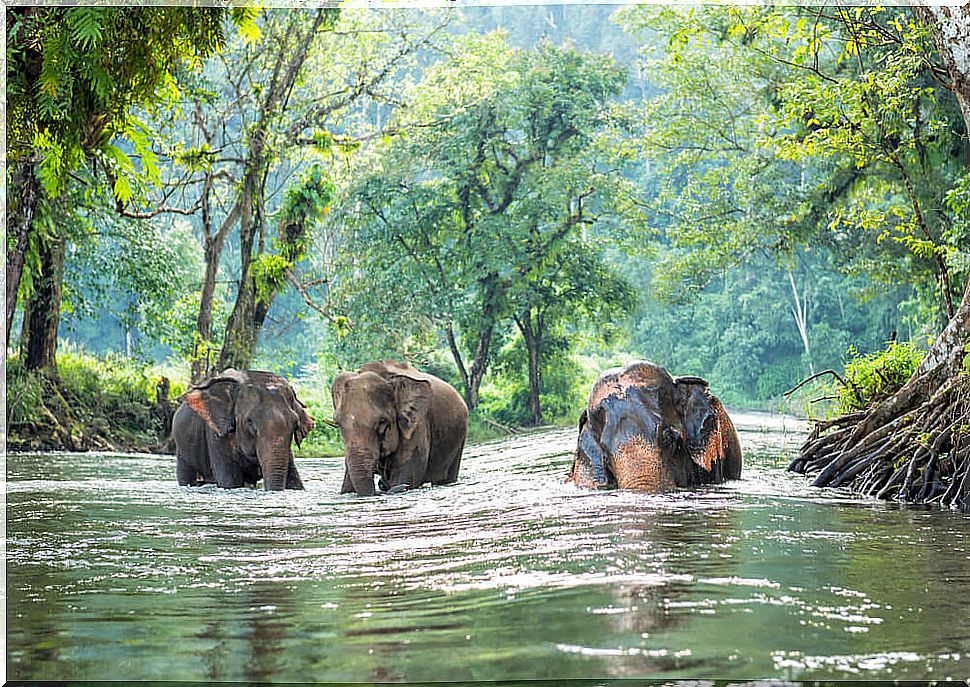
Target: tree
x=125 y=284
x=859 y=142
x=801 y=145
x=914 y=444
x=73 y=76
x=571 y=283
x=265 y=128
x=490 y=199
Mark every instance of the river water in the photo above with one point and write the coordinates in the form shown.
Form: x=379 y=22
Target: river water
x=116 y=573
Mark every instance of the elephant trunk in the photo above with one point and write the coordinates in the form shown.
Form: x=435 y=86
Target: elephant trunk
x=360 y=467
x=274 y=459
x=640 y=464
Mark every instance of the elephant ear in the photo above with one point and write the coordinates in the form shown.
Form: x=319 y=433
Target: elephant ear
x=215 y=402
x=583 y=419
x=337 y=390
x=729 y=443
x=697 y=412
x=589 y=462
x=304 y=420
x=412 y=398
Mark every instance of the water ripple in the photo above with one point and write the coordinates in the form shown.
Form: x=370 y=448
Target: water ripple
x=508 y=574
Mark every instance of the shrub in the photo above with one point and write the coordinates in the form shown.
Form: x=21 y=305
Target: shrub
x=872 y=376
x=91 y=400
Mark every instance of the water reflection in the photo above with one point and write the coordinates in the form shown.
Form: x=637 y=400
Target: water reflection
x=508 y=574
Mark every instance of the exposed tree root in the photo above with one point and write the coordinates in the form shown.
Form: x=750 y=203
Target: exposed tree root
x=913 y=446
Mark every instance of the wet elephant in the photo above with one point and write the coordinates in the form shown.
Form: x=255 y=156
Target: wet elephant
x=236 y=427
x=404 y=425
x=643 y=429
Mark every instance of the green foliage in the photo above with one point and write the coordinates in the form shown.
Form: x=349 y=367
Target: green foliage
x=269 y=274
x=740 y=335
x=177 y=329
x=313 y=390
x=482 y=187
x=825 y=131
x=93 y=400
x=75 y=72
x=499 y=201
x=307 y=201
x=564 y=387
x=876 y=375
x=305 y=204
x=131 y=270
x=957 y=235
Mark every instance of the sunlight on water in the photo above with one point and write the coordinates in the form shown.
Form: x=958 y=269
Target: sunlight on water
x=115 y=572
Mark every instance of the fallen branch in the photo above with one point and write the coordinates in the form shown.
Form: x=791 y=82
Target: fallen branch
x=816 y=376
x=499 y=425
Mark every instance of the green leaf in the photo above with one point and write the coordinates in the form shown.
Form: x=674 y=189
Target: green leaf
x=122 y=189
x=85 y=23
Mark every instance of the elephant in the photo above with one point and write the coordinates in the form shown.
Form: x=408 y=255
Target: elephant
x=645 y=430
x=404 y=425
x=236 y=427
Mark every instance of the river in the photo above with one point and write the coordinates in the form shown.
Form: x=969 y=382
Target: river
x=116 y=573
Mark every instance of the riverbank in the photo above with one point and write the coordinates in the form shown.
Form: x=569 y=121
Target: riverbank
x=90 y=403
x=111 y=403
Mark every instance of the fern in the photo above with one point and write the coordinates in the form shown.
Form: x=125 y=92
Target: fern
x=100 y=81
x=85 y=23
x=141 y=139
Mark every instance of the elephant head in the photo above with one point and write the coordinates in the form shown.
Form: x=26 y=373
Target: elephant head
x=709 y=435
x=258 y=415
x=644 y=430
x=376 y=416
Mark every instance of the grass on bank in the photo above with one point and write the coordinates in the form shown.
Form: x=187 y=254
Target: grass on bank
x=92 y=403
x=107 y=402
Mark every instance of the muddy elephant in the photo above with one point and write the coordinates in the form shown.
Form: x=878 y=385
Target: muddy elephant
x=645 y=430
x=235 y=428
x=406 y=426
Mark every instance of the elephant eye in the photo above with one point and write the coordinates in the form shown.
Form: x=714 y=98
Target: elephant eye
x=251 y=425
x=382 y=425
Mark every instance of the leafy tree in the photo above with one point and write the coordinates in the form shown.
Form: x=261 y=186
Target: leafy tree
x=133 y=273
x=799 y=144
x=74 y=74
x=487 y=209
x=262 y=135
x=912 y=443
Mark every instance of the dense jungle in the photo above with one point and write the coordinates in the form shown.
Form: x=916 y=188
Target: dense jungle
x=510 y=197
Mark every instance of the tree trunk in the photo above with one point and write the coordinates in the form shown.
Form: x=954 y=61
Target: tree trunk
x=800 y=312
x=26 y=195
x=472 y=379
x=239 y=343
x=38 y=342
x=203 y=323
x=492 y=291
x=213 y=245
x=950 y=28
x=240 y=340
x=242 y=331
x=531 y=329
